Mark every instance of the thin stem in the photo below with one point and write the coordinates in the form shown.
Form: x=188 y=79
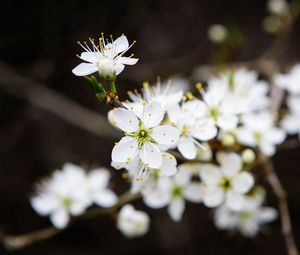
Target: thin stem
x=113 y=88
x=281 y=194
x=17 y=242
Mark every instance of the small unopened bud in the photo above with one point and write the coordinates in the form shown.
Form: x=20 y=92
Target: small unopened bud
x=248 y=156
x=271 y=24
x=228 y=140
x=106 y=69
x=217 y=33
x=277 y=7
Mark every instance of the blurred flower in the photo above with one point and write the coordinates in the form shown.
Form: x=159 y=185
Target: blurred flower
x=173 y=191
x=226 y=184
x=143 y=135
x=258 y=130
x=277 y=7
x=132 y=223
x=290 y=81
x=217 y=33
x=249 y=219
x=193 y=127
x=106 y=58
x=70 y=191
x=291 y=122
x=272 y=24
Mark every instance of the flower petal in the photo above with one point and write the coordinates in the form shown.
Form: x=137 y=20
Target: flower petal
x=204 y=130
x=60 y=219
x=176 y=209
x=92 y=57
x=105 y=198
x=210 y=174
x=243 y=182
x=194 y=192
x=165 y=134
x=152 y=115
x=119 y=68
x=169 y=164
x=127 y=61
x=124 y=119
x=231 y=163
x=121 y=44
x=227 y=122
x=234 y=200
x=151 y=155
x=125 y=150
x=187 y=147
x=213 y=197
x=85 y=69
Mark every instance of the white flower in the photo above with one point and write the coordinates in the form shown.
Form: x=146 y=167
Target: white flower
x=166 y=95
x=259 y=131
x=243 y=89
x=97 y=185
x=189 y=120
x=173 y=191
x=217 y=33
x=290 y=81
x=217 y=107
x=226 y=184
x=249 y=219
x=63 y=195
x=291 y=122
x=143 y=135
x=278 y=7
x=131 y=222
x=143 y=177
x=106 y=58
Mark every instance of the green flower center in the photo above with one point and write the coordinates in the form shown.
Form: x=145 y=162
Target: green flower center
x=214 y=112
x=257 y=136
x=244 y=215
x=176 y=191
x=226 y=183
x=142 y=135
x=66 y=202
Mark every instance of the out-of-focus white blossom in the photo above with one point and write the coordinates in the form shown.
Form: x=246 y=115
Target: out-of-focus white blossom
x=70 y=191
x=143 y=135
x=258 y=130
x=217 y=33
x=131 y=222
x=107 y=58
x=193 y=127
x=277 y=7
x=291 y=122
x=248 y=220
x=172 y=192
x=225 y=184
x=290 y=80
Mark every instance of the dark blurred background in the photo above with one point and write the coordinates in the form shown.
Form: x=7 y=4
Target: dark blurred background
x=38 y=41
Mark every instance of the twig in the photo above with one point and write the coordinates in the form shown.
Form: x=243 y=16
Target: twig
x=281 y=194
x=17 y=242
x=49 y=100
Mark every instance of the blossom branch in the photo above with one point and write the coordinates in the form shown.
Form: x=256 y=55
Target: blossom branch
x=17 y=242
x=281 y=194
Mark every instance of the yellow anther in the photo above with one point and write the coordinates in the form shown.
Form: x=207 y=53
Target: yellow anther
x=199 y=86
x=146 y=84
x=189 y=95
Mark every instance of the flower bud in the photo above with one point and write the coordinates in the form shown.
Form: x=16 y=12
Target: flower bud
x=106 y=69
x=131 y=222
x=248 y=156
x=217 y=33
x=228 y=140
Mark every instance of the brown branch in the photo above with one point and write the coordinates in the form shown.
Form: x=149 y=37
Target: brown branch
x=17 y=242
x=49 y=100
x=281 y=194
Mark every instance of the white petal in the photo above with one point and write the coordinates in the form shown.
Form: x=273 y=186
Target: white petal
x=152 y=115
x=125 y=150
x=78 y=207
x=243 y=182
x=43 y=204
x=213 y=197
x=119 y=68
x=246 y=136
x=267 y=149
x=92 y=57
x=165 y=134
x=169 y=164
x=126 y=120
x=127 y=61
x=227 y=122
x=267 y=214
x=187 y=147
x=235 y=201
x=176 y=209
x=121 y=44
x=194 y=192
x=85 y=69
x=204 y=130
x=60 y=219
x=98 y=178
x=105 y=198
x=210 y=174
x=151 y=155
x=231 y=163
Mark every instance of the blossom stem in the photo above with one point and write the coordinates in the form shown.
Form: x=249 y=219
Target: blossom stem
x=113 y=88
x=281 y=194
x=18 y=242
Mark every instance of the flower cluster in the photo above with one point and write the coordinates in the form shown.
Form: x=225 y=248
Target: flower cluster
x=70 y=191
